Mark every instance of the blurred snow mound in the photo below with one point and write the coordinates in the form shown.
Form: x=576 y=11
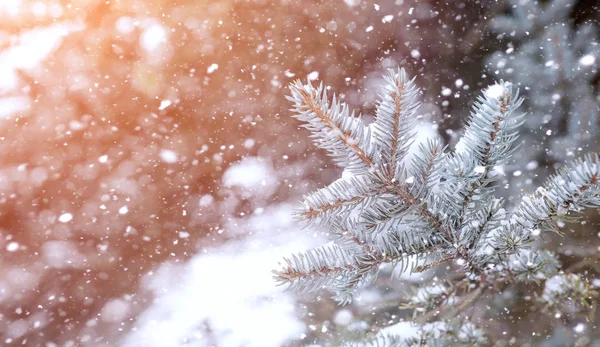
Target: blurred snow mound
x=226 y=296
x=249 y=173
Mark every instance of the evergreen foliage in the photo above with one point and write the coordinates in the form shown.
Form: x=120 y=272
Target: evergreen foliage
x=421 y=206
x=556 y=63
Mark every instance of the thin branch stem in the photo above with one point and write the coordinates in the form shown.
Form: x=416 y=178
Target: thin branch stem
x=309 y=102
x=485 y=161
x=422 y=209
x=397 y=113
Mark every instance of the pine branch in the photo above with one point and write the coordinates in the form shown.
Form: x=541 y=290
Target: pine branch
x=570 y=190
x=489 y=138
x=480 y=224
x=335 y=268
x=422 y=210
x=425 y=171
x=564 y=290
x=321 y=267
x=339 y=199
x=380 y=340
x=436 y=209
x=393 y=129
x=335 y=129
x=528 y=17
x=532 y=265
x=436 y=334
x=557 y=63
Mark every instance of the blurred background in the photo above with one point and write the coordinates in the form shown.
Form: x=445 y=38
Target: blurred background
x=149 y=165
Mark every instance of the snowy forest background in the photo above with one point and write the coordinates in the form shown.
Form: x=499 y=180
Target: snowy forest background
x=149 y=165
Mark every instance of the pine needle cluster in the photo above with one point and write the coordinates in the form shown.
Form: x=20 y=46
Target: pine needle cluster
x=418 y=206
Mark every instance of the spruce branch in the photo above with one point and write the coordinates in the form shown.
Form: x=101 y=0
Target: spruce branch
x=572 y=189
x=437 y=334
x=339 y=199
x=529 y=17
x=437 y=207
x=425 y=171
x=556 y=62
x=334 y=127
x=489 y=137
x=567 y=291
x=405 y=195
x=393 y=129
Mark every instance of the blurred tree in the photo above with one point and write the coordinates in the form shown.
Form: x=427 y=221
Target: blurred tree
x=133 y=112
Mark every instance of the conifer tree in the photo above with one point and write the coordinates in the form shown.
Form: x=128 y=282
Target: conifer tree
x=556 y=63
x=420 y=207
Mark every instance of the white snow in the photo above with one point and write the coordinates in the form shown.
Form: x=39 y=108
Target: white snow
x=369 y=29
x=425 y=294
x=404 y=330
x=39 y=9
x=446 y=91
x=164 y=104
x=10 y=7
x=352 y=3
x=115 y=311
x=387 y=19
x=76 y=125
x=212 y=68
x=62 y=254
x=251 y=172
x=313 y=75
x=331 y=25
x=65 y=218
x=32 y=48
x=579 y=328
x=343 y=317
x=206 y=200
x=12 y=105
x=153 y=37
x=560 y=284
x=125 y=24
x=12 y=246
x=587 y=60
x=249 y=143
x=168 y=156
x=103 y=158
x=210 y=284
x=123 y=210
x=415 y=54
x=532 y=165
x=495 y=91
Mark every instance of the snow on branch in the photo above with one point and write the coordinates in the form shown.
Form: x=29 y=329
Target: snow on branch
x=571 y=190
x=438 y=208
x=334 y=127
x=393 y=129
x=556 y=62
